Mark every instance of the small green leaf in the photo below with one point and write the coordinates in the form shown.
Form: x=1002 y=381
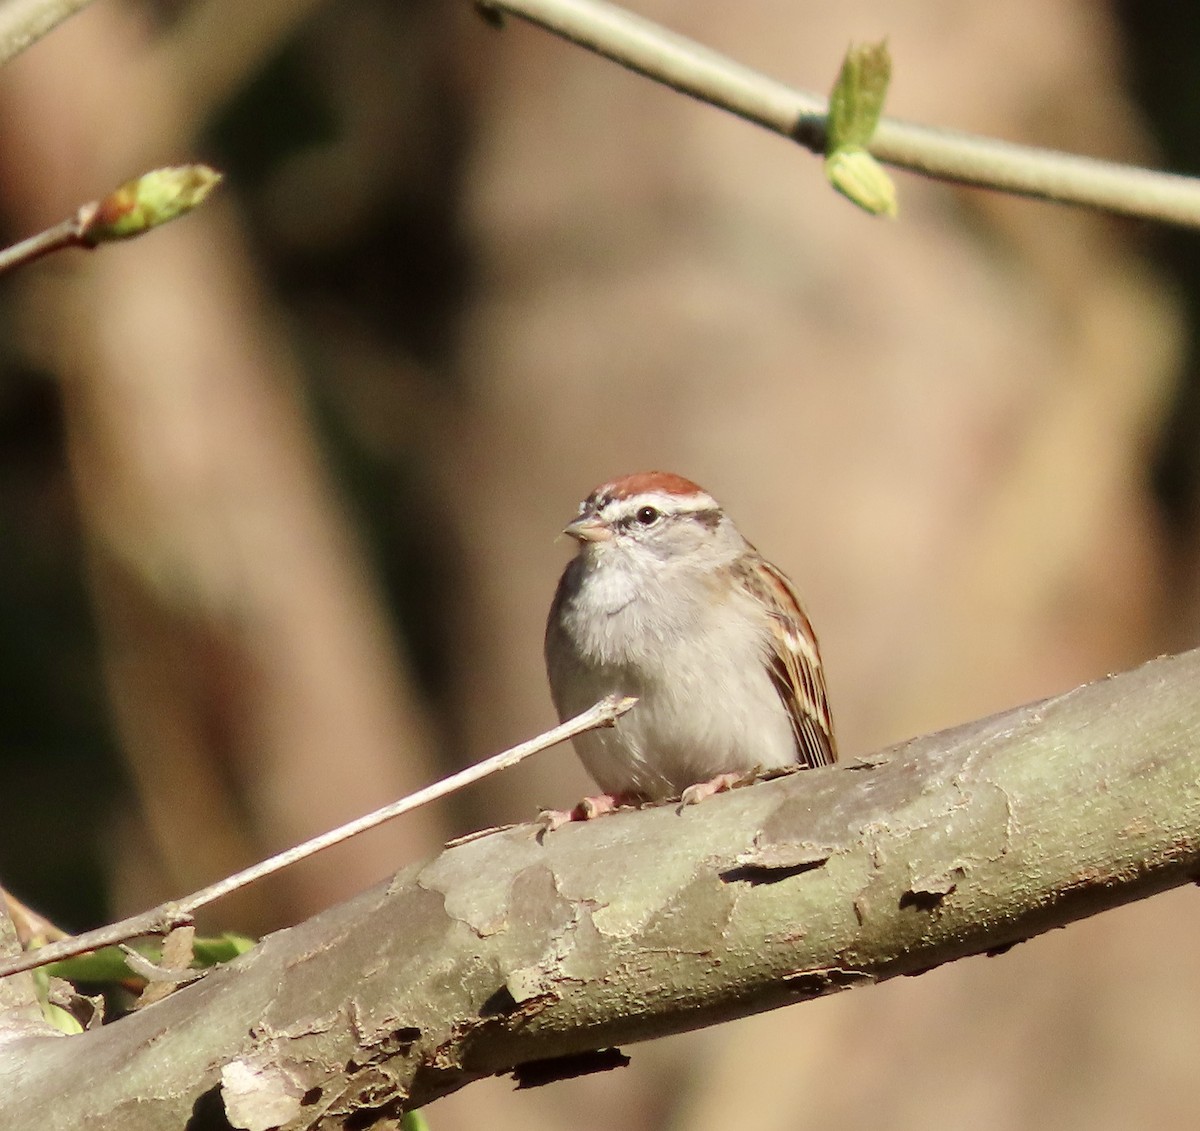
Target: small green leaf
x=61 y=1019
x=855 y=105
x=98 y=967
x=862 y=180
x=856 y=102
x=110 y=964
x=152 y=199
x=414 y=1121
x=221 y=948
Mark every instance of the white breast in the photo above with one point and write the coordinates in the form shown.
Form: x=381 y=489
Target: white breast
x=706 y=703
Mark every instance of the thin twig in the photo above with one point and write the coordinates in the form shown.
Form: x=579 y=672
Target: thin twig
x=132 y=209
x=24 y=22
x=176 y=913
x=32 y=926
x=686 y=66
x=67 y=234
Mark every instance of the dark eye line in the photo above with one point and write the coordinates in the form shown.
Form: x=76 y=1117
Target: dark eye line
x=647 y=516
x=643 y=518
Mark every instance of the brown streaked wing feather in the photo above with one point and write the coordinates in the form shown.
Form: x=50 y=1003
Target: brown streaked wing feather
x=796 y=666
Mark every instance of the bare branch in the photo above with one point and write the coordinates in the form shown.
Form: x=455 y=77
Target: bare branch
x=177 y=913
x=24 y=22
x=32 y=927
x=686 y=66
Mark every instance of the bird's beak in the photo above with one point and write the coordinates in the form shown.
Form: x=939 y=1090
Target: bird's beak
x=588 y=529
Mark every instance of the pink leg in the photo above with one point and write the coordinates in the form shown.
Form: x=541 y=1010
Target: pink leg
x=586 y=810
x=694 y=794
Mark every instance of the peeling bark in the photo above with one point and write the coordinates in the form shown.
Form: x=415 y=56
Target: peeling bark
x=505 y=950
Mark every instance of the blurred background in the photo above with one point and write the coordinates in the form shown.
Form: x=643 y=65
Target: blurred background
x=280 y=484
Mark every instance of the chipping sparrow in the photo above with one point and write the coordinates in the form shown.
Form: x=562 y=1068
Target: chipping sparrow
x=666 y=600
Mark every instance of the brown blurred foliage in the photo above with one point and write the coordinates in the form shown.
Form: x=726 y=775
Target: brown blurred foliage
x=318 y=438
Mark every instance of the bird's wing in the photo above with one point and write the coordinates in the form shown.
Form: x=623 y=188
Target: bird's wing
x=796 y=667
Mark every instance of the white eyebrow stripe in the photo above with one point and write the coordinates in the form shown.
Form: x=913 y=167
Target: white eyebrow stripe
x=665 y=501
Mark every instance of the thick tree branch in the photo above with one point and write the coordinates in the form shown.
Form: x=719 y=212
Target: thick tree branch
x=686 y=66
x=505 y=950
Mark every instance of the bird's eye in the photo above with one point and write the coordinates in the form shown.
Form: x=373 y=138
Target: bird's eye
x=647 y=516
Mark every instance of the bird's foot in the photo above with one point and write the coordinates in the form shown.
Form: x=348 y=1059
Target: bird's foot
x=722 y=783
x=587 y=809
